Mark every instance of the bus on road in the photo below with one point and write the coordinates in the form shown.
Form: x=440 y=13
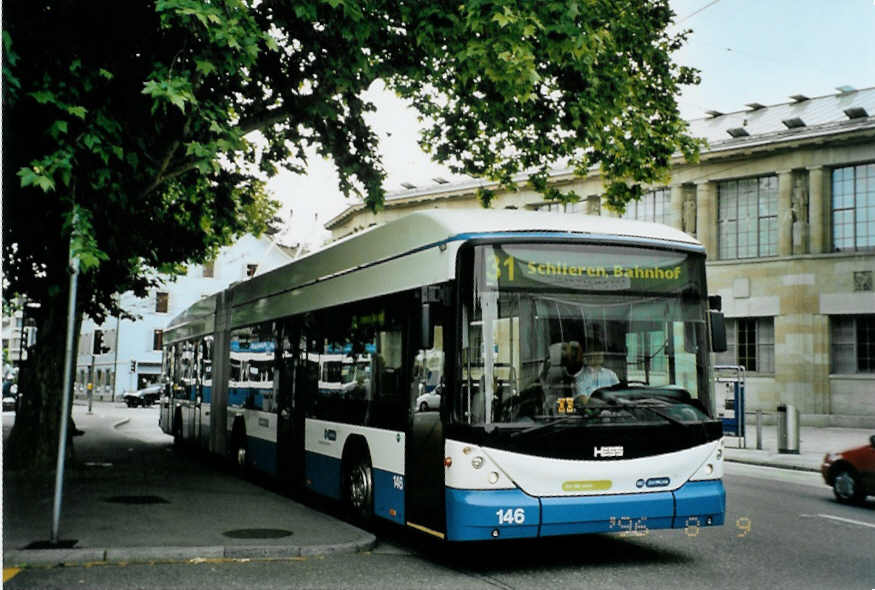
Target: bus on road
x=566 y=359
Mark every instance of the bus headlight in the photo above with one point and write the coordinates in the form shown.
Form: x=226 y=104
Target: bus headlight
x=712 y=467
x=477 y=462
x=493 y=477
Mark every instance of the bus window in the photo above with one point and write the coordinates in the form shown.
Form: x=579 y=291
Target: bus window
x=252 y=368
x=428 y=374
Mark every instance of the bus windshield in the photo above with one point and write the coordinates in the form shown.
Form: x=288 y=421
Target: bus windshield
x=581 y=330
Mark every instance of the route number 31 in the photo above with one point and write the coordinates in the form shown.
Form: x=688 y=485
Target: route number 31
x=511 y=516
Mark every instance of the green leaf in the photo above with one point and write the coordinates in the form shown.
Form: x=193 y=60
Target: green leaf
x=28 y=176
x=76 y=111
x=43 y=96
x=57 y=128
x=205 y=67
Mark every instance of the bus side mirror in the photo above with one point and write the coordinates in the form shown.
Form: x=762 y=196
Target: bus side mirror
x=426 y=340
x=718 y=331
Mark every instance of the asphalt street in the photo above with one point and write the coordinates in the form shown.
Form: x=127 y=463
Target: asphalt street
x=783 y=530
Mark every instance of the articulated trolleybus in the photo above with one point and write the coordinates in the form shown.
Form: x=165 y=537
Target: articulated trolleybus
x=473 y=374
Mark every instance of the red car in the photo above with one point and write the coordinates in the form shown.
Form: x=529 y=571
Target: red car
x=851 y=473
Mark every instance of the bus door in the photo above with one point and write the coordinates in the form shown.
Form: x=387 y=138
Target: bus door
x=292 y=376
x=197 y=393
x=190 y=389
x=424 y=482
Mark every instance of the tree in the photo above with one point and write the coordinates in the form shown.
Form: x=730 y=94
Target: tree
x=136 y=120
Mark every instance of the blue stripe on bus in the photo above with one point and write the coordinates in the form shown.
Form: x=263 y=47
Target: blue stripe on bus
x=389 y=495
x=699 y=501
x=261 y=454
x=610 y=513
x=208 y=394
x=473 y=515
x=323 y=474
x=476 y=514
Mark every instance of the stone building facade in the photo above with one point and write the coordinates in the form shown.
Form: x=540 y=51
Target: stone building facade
x=783 y=198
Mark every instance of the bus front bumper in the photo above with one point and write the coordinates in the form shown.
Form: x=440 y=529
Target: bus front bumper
x=511 y=514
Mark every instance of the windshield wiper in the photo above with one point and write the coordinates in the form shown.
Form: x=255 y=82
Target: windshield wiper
x=551 y=423
x=646 y=404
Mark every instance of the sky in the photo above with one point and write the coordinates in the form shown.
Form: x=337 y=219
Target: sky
x=746 y=50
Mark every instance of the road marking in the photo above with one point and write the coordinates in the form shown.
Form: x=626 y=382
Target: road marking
x=10 y=572
x=839 y=518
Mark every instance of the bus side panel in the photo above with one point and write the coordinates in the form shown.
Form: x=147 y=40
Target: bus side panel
x=261 y=440
x=389 y=495
x=324 y=445
x=322 y=474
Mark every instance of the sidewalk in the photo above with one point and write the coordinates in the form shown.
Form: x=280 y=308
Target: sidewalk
x=814 y=443
x=130 y=497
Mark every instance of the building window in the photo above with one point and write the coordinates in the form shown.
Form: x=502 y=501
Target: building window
x=852 y=344
x=209 y=269
x=652 y=206
x=157 y=339
x=747 y=217
x=161 y=300
x=250 y=270
x=853 y=207
x=557 y=207
x=751 y=344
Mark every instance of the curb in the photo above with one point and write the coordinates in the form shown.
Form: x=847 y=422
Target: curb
x=80 y=557
x=121 y=422
x=772 y=464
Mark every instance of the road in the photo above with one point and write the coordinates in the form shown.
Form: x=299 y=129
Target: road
x=783 y=530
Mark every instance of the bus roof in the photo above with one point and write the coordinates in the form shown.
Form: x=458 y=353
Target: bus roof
x=423 y=230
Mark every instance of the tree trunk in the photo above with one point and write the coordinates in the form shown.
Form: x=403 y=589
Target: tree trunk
x=33 y=441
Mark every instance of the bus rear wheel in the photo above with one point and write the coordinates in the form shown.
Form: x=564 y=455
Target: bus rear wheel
x=359 y=488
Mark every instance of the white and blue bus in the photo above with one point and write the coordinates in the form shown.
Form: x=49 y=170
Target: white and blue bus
x=311 y=373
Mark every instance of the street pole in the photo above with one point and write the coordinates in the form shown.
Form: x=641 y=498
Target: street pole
x=118 y=324
x=91 y=385
x=65 y=404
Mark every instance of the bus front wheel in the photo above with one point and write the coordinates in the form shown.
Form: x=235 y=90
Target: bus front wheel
x=359 y=487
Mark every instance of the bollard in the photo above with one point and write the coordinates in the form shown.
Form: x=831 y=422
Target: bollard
x=759 y=430
x=788 y=429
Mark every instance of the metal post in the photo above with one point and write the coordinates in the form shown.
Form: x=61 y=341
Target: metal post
x=759 y=430
x=118 y=324
x=91 y=388
x=65 y=403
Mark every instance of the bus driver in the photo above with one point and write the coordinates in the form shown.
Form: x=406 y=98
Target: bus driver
x=593 y=374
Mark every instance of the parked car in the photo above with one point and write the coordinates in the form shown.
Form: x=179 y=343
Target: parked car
x=10 y=396
x=429 y=401
x=143 y=397
x=851 y=473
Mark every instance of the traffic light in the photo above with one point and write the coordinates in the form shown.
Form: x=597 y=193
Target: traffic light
x=99 y=348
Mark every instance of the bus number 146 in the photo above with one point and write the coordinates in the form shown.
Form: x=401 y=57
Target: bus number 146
x=511 y=516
